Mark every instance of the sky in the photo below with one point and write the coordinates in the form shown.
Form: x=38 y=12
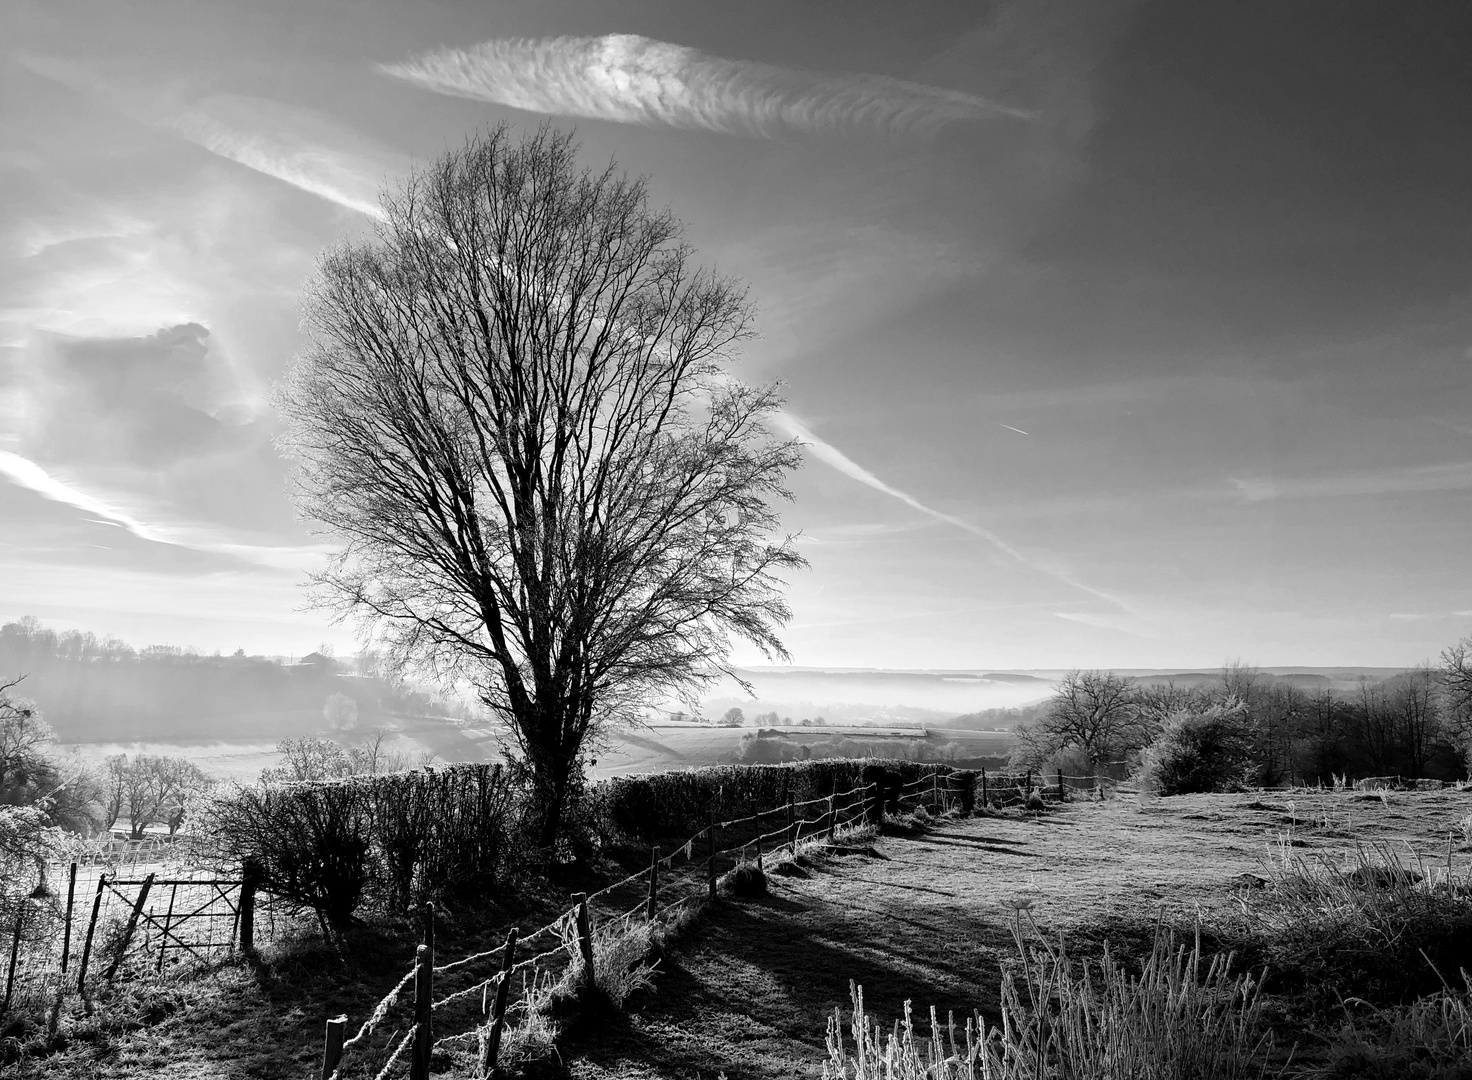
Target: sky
x=1120 y=334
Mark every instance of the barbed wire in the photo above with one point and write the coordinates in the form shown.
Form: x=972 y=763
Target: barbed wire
x=394 y=1059
x=379 y=1012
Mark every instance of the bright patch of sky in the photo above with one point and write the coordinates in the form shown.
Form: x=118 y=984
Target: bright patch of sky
x=1122 y=334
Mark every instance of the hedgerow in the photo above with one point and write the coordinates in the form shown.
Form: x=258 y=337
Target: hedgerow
x=677 y=803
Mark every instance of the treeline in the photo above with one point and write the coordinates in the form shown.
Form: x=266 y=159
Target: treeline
x=104 y=690
x=1254 y=729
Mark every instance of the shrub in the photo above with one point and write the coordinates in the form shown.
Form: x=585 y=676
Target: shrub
x=1200 y=750
x=397 y=839
x=310 y=838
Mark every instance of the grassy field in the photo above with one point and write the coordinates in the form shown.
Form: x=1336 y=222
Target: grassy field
x=922 y=915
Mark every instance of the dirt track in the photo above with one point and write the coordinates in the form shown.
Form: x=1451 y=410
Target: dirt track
x=928 y=918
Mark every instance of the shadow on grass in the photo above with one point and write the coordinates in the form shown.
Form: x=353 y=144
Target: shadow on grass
x=753 y=985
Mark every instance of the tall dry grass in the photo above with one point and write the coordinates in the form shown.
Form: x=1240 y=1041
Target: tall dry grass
x=1183 y=1017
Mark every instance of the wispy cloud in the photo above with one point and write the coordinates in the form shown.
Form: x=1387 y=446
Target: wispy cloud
x=27 y=474
x=295 y=145
x=835 y=458
x=292 y=145
x=631 y=79
x=1448 y=476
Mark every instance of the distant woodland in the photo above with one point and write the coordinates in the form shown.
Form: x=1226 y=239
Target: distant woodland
x=105 y=690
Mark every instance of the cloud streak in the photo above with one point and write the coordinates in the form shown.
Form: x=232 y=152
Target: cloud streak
x=27 y=474
x=836 y=459
x=295 y=145
x=1448 y=476
x=629 y=79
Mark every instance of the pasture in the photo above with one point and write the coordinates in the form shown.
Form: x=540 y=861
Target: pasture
x=923 y=914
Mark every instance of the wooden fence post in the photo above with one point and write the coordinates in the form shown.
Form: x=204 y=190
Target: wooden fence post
x=419 y=1053
x=791 y=826
x=585 y=938
x=91 y=926
x=250 y=880
x=876 y=803
x=1060 y=785
x=492 y=1047
x=332 y=1046
x=756 y=833
x=832 y=819
x=66 y=934
x=653 y=904
x=163 y=940
x=20 y=925
x=117 y=960
x=1029 y=781
x=985 y=802
x=710 y=854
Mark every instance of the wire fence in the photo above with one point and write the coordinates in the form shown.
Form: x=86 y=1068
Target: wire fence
x=470 y=997
x=99 y=918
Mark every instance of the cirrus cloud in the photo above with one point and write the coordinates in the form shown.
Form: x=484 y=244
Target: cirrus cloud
x=631 y=79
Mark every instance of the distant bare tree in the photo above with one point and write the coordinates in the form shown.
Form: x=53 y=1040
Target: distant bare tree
x=513 y=413
x=1097 y=712
x=1456 y=682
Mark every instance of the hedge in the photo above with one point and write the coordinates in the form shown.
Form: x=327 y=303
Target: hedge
x=667 y=804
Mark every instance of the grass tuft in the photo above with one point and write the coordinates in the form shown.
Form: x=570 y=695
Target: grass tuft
x=1182 y=1016
x=746 y=879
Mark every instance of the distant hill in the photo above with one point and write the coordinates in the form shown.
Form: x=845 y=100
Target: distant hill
x=91 y=691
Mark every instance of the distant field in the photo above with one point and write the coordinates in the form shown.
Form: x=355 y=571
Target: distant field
x=645 y=750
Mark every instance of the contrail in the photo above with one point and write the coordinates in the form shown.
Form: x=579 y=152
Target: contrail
x=32 y=477
x=297 y=146
x=832 y=456
x=1009 y=427
x=631 y=79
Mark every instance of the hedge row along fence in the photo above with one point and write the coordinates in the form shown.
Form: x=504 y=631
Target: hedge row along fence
x=450 y=834
x=392 y=841
x=468 y=1001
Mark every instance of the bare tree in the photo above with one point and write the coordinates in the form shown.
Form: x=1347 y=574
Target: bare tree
x=1097 y=712
x=1456 y=685
x=514 y=416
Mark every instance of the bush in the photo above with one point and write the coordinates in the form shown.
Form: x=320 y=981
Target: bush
x=399 y=839
x=1200 y=750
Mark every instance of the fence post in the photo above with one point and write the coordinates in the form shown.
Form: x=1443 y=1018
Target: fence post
x=423 y=1004
x=876 y=803
x=250 y=880
x=492 y=1048
x=756 y=833
x=791 y=826
x=1060 y=785
x=117 y=960
x=163 y=941
x=653 y=884
x=66 y=934
x=985 y=802
x=710 y=854
x=585 y=938
x=20 y=921
x=332 y=1046
x=832 y=820
x=1029 y=781
x=91 y=926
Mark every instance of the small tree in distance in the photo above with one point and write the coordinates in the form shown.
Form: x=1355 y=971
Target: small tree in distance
x=514 y=416
x=1095 y=712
